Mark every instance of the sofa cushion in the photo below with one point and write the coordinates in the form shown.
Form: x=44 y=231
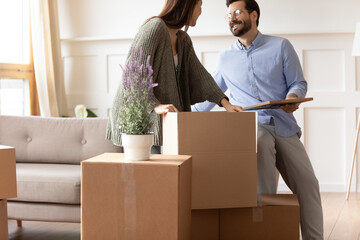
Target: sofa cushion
x=55 y=140
x=55 y=183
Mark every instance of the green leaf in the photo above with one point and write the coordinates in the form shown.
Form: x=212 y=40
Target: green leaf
x=90 y=113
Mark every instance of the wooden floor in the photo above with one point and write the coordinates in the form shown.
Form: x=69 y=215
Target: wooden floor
x=341 y=217
x=341 y=222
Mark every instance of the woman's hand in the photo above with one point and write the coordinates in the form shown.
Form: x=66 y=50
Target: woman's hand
x=165 y=108
x=229 y=107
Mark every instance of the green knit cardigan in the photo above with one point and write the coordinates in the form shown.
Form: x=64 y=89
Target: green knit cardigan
x=188 y=85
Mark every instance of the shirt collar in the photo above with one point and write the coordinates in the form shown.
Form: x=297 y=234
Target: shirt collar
x=254 y=44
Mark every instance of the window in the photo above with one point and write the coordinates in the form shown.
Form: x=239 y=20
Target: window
x=17 y=80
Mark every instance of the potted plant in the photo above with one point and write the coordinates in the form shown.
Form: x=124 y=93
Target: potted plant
x=135 y=114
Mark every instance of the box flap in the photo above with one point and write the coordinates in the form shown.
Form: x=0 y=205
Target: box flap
x=158 y=159
x=279 y=200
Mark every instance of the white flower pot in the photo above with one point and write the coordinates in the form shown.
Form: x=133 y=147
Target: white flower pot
x=137 y=147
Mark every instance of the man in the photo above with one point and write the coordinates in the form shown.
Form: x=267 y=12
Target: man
x=258 y=68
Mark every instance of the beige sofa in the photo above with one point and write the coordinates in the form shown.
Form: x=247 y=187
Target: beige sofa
x=48 y=156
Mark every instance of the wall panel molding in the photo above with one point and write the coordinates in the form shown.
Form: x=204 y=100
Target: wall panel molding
x=114 y=71
x=324 y=69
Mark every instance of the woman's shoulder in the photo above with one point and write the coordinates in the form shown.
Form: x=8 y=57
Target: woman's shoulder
x=154 y=30
x=154 y=24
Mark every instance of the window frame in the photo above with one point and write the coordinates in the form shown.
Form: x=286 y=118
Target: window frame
x=24 y=71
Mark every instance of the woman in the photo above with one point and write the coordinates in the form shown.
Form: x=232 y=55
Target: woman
x=182 y=80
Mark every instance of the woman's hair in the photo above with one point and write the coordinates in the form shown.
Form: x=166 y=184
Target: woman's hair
x=177 y=13
x=250 y=6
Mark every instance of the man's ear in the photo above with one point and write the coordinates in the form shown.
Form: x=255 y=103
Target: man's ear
x=254 y=16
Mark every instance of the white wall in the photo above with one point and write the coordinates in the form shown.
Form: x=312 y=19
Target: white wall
x=121 y=18
x=96 y=36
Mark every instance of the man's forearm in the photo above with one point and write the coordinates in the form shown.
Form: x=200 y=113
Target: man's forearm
x=291 y=96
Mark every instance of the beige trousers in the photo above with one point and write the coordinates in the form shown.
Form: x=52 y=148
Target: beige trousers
x=288 y=155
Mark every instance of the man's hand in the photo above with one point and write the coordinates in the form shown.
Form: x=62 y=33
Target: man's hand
x=229 y=107
x=165 y=108
x=290 y=108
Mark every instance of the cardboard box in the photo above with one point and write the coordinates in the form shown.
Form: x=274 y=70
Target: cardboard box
x=223 y=147
x=277 y=218
x=205 y=224
x=136 y=200
x=3 y=220
x=7 y=172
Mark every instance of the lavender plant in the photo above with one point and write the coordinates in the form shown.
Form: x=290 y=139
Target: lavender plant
x=135 y=112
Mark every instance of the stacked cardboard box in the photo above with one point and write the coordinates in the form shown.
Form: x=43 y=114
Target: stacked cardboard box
x=7 y=172
x=276 y=218
x=224 y=177
x=3 y=220
x=223 y=147
x=205 y=224
x=7 y=185
x=136 y=200
x=224 y=163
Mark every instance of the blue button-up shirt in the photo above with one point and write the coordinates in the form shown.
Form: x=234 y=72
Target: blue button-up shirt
x=269 y=69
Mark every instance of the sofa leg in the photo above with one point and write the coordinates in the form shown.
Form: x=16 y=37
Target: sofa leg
x=19 y=223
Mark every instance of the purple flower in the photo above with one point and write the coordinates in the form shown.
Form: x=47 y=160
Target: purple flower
x=138 y=88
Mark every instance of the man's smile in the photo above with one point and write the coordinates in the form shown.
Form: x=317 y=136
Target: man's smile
x=235 y=25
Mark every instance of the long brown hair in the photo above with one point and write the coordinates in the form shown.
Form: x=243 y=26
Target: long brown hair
x=177 y=13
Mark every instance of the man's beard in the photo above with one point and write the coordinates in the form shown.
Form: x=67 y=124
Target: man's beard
x=240 y=31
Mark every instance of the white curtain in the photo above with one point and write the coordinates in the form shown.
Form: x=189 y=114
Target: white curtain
x=48 y=65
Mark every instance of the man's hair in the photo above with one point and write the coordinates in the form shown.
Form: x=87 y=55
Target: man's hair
x=250 y=6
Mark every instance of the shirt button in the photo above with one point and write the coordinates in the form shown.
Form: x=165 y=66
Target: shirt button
x=83 y=141
x=249 y=68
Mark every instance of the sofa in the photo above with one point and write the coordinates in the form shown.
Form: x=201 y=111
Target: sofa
x=48 y=156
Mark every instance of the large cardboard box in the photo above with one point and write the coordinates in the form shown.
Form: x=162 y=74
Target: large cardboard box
x=136 y=200
x=205 y=224
x=223 y=147
x=7 y=172
x=276 y=218
x=3 y=220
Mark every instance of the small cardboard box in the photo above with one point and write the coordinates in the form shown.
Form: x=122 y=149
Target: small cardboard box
x=136 y=200
x=3 y=220
x=205 y=224
x=276 y=218
x=224 y=155
x=7 y=172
